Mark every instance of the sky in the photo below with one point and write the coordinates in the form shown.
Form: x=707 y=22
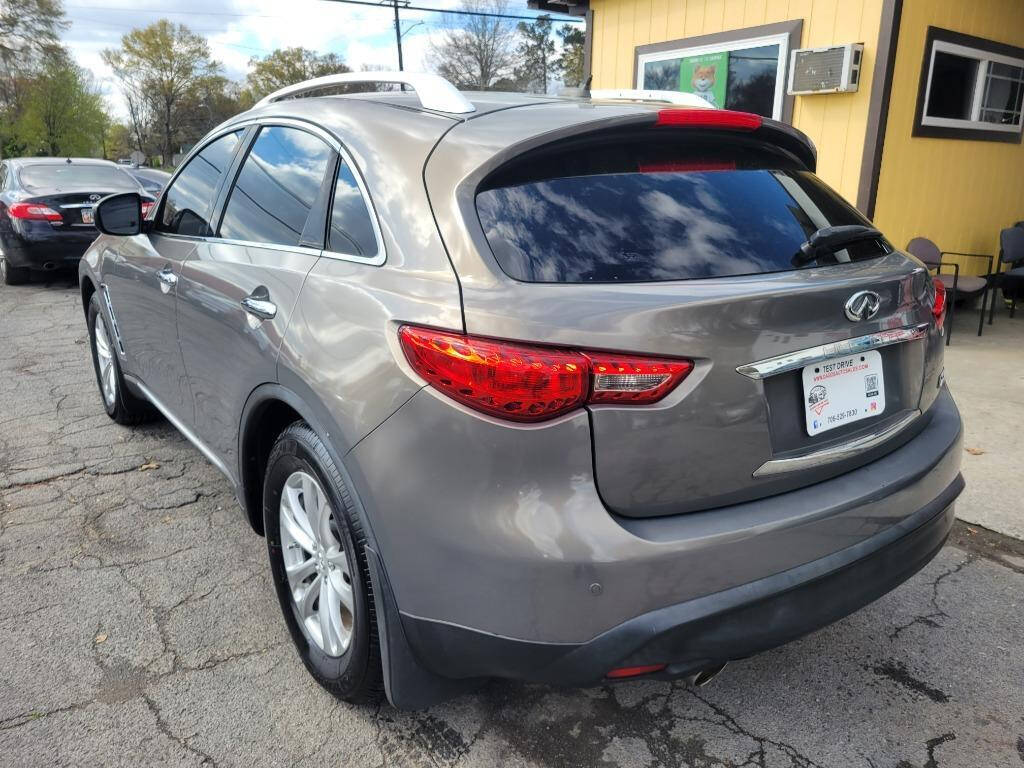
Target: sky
x=238 y=30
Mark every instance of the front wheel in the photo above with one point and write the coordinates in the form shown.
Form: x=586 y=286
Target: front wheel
x=120 y=404
x=316 y=544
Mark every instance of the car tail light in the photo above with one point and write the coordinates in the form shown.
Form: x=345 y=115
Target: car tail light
x=939 y=303
x=33 y=212
x=710 y=118
x=646 y=669
x=147 y=207
x=528 y=383
x=630 y=379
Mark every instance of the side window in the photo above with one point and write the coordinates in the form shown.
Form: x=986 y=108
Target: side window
x=351 y=230
x=276 y=187
x=189 y=201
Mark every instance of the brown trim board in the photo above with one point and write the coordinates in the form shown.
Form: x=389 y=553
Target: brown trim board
x=878 y=106
x=792 y=28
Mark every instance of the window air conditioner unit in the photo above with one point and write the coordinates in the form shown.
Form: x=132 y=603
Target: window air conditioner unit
x=825 y=70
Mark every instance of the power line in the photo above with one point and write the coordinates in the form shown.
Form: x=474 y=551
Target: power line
x=388 y=4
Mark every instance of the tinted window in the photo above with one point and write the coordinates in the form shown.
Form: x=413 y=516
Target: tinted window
x=642 y=212
x=351 y=226
x=188 y=204
x=71 y=175
x=276 y=188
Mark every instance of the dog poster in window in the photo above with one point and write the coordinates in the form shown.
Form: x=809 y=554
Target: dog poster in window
x=705 y=76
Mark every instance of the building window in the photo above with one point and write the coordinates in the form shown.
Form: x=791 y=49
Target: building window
x=746 y=74
x=970 y=88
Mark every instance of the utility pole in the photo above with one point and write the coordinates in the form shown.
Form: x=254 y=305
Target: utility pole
x=398 y=27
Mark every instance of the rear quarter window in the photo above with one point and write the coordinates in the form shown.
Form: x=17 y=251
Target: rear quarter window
x=637 y=212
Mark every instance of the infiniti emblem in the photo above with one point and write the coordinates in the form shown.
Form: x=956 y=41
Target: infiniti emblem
x=93 y=198
x=863 y=305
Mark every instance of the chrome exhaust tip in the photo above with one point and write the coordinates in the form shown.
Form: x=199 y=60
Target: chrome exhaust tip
x=705 y=676
x=50 y=266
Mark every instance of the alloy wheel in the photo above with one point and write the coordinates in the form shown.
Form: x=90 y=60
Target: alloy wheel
x=105 y=358
x=316 y=564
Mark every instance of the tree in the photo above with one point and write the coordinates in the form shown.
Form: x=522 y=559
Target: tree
x=29 y=33
x=161 y=68
x=63 y=112
x=536 y=54
x=286 y=66
x=479 y=53
x=570 y=60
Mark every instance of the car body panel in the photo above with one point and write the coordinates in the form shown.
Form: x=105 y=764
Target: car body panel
x=147 y=313
x=227 y=351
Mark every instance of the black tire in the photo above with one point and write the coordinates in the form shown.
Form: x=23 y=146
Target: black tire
x=355 y=676
x=13 y=275
x=126 y=408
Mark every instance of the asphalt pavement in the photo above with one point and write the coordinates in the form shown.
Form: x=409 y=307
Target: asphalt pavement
x=138 y=626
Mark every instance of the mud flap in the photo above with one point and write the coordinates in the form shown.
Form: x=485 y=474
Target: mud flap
x=407 y=683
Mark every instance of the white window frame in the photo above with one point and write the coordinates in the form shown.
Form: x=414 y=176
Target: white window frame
x=983 y=58
x=735 y=45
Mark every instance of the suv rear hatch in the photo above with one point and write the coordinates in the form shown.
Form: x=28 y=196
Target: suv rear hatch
x=686 y=242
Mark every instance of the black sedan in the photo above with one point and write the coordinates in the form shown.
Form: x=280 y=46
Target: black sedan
x=46 y=209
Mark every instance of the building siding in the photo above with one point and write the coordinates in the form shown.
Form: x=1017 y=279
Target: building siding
x=959 y=193
x=837 y=123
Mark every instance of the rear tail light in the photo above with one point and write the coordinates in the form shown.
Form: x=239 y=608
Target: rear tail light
x=147 y=207
x=33 y=212
x=646 y=669
x=939 y=303
x=726 y=119
x=530 y=383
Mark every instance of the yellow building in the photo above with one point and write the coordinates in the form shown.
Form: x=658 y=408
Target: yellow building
x=929 y=144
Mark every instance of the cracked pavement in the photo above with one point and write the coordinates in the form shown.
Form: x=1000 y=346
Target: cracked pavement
x=139 y=627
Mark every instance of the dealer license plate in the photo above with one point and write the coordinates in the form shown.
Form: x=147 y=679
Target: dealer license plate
x=842 y=391
x=87 y=215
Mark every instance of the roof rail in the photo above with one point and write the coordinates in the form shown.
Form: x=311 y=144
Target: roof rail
x=629 y=94
x=435 y=93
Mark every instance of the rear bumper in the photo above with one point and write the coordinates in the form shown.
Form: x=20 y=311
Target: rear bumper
x=54 y=249
x=499 y=559
x=711 y=630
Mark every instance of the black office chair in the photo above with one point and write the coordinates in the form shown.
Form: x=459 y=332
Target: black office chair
x=958 y=287
x=1011 y=251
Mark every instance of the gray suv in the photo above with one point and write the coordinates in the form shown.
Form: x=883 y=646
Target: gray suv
x=559 y=390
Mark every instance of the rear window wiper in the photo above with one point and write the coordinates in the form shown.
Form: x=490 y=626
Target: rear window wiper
x=828 y=240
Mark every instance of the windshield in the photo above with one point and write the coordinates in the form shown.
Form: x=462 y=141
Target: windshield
x=73 y=176
x=637 y=212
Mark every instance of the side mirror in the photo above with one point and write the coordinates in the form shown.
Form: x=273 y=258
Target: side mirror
x=119 y=214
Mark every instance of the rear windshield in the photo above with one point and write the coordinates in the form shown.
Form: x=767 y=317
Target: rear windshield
x=641 y=212
x=69 y=176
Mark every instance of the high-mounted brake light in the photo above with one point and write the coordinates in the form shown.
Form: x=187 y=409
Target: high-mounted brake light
x=528 y=383
x=697 y=166
x=939 y=304
x=33 y=212
x=710 y=118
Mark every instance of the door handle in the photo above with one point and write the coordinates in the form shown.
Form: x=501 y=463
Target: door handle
x=167 y=279
x=258 y=304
